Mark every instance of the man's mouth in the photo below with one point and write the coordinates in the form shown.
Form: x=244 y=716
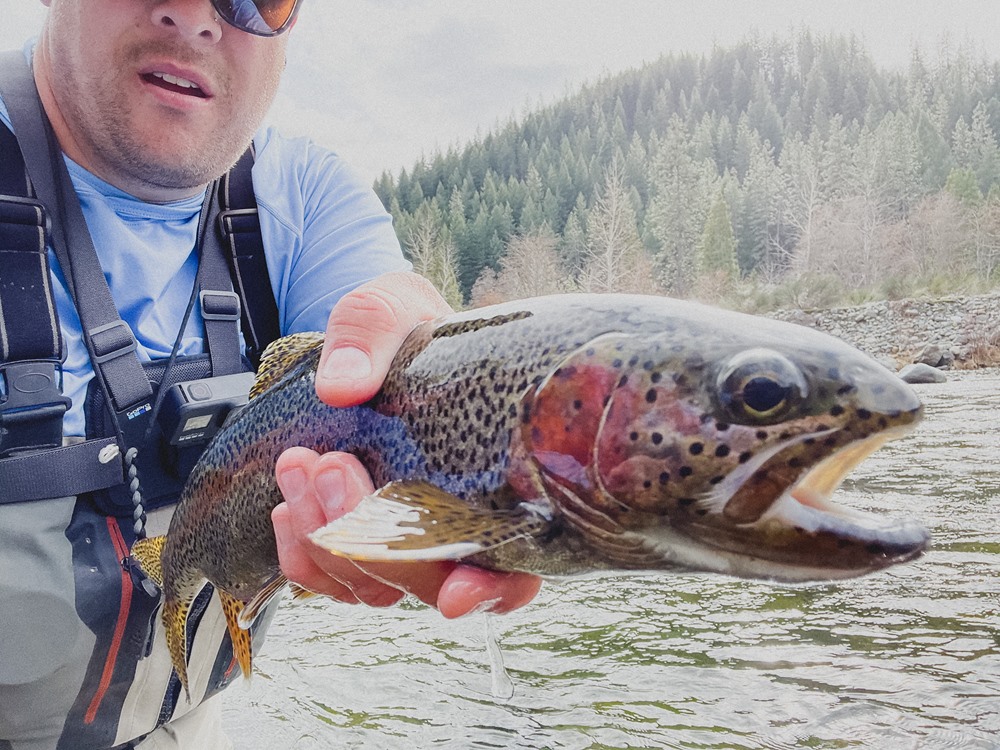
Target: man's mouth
x=174 y=83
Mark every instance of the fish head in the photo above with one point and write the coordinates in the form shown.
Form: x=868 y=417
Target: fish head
x=719 y=449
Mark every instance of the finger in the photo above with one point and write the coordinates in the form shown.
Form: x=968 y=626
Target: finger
x=340 y=481
x=366 y=329
x=470 y=589
x=299 y=472
x=296 y=564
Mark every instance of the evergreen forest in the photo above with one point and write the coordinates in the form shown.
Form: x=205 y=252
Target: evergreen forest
x=786 y=171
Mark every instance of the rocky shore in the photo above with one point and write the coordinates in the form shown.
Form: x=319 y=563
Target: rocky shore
x=959 y=332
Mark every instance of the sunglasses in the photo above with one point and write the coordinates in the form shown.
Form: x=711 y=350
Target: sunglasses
x=258 y=17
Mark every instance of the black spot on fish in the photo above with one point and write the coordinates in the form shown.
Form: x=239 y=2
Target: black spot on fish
x=623 y=382
x=722 y=451
x=864 y=414
x=836 y=411
x=664 y=477
x=745 y=456
x=715 y=480
x=657 y=438
x=651 y=396
x=696 y=449
x=578 y=404
x=844 y=390
x=633 y=362
x=762 y=434
x=656 y=377
x=617 y=364
x=633 y=436
x=647 y=484
x=686 y=471
x=721 y=426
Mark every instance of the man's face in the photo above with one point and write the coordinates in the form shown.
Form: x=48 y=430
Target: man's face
x=155 y=96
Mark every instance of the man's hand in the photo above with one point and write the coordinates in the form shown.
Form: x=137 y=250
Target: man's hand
x=366 y=328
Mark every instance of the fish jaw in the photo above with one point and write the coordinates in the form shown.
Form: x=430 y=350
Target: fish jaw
x=802 y=535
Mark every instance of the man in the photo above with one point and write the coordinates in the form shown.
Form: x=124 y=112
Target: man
x=150 y=101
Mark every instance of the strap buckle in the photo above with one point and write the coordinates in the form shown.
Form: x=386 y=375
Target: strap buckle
x=219 y=305
x=238 y=221
x=111 y=341
x=24 y=211
x=32 y=408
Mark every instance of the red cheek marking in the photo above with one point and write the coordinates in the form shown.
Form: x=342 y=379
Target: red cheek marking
x=564 y=417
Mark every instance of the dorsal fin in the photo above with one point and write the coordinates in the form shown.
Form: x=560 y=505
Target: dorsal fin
x=281 y=356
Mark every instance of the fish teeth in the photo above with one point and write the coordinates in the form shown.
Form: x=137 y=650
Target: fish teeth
x=182 y=82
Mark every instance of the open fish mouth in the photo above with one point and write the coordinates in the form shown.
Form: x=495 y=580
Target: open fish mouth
x=801 y=534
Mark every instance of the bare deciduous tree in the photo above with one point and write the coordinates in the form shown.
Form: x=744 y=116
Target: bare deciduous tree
x=614 y=257
x=530 y=268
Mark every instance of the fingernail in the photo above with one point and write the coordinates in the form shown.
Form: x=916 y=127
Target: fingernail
x=346 y=363
x=331 y=489
x=292 y=483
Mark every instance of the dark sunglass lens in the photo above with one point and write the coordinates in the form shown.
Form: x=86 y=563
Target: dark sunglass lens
x=275 y=12
x=263 y=17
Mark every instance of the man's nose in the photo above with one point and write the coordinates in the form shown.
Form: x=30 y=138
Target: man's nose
x=195 y=19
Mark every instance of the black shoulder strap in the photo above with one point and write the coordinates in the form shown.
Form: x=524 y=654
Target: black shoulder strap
x=239 y=227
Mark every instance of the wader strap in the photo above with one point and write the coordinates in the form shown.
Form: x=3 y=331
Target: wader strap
x=220 y=306
x=109 y=339
x=239 y=225
x=31 y=401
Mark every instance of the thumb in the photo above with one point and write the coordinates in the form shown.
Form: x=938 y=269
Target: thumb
x=365 y=330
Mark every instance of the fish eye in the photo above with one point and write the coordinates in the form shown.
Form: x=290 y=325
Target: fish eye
x=760 y=387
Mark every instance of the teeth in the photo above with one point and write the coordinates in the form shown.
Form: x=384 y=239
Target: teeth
x=182 y=82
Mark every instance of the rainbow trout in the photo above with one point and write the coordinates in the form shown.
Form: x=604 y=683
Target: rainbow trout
x=557 y=436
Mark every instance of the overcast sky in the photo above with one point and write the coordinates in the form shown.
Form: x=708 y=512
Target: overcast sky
x=385 y=81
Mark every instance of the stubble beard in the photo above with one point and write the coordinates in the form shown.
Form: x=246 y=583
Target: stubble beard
x=124 y=148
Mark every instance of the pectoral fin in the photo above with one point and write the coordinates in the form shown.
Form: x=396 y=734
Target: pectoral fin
x=264 y=597
x=412 y=521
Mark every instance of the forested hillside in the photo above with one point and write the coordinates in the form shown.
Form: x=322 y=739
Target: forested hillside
x=780 y=171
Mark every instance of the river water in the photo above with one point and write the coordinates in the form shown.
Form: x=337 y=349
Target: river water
x=906 y=658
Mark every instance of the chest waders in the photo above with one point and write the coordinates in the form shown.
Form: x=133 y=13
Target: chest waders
x=76 y=621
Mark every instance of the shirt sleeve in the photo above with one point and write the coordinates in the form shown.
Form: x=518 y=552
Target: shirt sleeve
x=325 y=231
